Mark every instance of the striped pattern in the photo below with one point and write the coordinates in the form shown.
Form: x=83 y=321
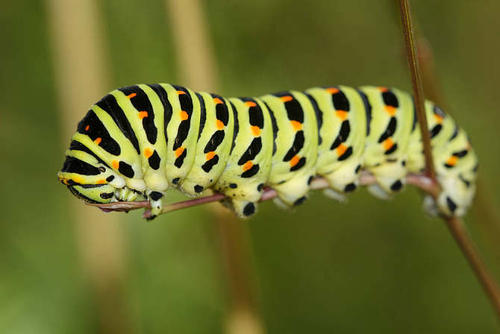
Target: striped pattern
x=138 y=141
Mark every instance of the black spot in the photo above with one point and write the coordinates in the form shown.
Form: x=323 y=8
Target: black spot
x=451 y=204
x=77 y=146
x=126 y=169
x=275 y=126
x=255 y=115
x=102 y=169
x=319 y=115
x=251 y=172
x=260 y=187
x=110 y=105
x=390 y=99
x=106 y=195
x=403 y=163
x=396 y=186
x=252 y=151
x=110 y=178
x=340 y=101
x=438 y=111
x=460 y=154
x=176 y=180
x=299 y=201
x=203 y=114
x=208 y=165
x=74 y=165
x=297 y=145
x=299 y=165
x=233 y=186
x=198 y=188
x=249 y=209
x=345 y=129
x=466 y=182
x=346 y=154
x=221 y=112
x=96 y=129
x=392 y=149
x=180 y=159
x=310 y=179
x=214 y=141
x=236 y=127
x=350 y=187
x=182 y=133
x=368 y=110
x=454 y=134
x=154 y=160
x=389 y=131
x=358 y=168
x=141 y=103
x=435 y=130
x=155 y=195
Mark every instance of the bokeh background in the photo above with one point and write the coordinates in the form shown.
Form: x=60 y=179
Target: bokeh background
x=366 y=266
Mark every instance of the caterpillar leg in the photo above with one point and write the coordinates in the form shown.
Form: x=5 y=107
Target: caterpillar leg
x=343 y=180
x=390 y=178
x=293 y=192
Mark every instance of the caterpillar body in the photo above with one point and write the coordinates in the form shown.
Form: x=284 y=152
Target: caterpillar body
x=140 y=140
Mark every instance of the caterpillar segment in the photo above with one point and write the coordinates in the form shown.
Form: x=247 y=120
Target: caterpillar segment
x=140 y=140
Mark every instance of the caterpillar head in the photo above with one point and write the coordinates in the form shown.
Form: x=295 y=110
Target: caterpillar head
x=89 y=179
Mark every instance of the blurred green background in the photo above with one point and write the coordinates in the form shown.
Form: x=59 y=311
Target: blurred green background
x=364 y=267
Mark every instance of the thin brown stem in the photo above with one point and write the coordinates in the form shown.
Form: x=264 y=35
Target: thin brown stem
x=454 y=224
x=418 y=90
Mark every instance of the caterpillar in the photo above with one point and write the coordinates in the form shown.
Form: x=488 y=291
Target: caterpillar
x=138 y=141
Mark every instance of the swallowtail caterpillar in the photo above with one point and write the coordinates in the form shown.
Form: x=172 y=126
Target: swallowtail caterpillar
x=140 y=140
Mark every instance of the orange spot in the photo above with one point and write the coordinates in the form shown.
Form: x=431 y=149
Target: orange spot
x=131 y=95
x=143 y=114
x=87 y=128
x=332 y=90
x=101 y=181
x=438 y=118
x=388 y=143
x=390 y=110
x=179 y=151
x=255 y=130
x=115 y=164
x=295 y=160
x=296 y=125
x=341 y=149
x=217 y=100
x=250 y=104
x=210 y=155
x=342 y=114
x=219 y=124
x=184 y=115
x=286 y=98
x=181 y=92
x=383 y=89
x=148 y=152
x=452 y=160
x=247 y=165
x=98 y=140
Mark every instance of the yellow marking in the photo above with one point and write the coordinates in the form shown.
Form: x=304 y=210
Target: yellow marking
x=247 y=165
x=102 y=181
x=255 y=130
x=78 y=179
x=181 y=92
x=179 y=151
x=132 y=95
x=250 y=104
x=219 y=125
x=390 y=110
x=332 y=90
x=296 y=125
x=388 y=143
x=438 y=118
x=184 y=115
x=217 y=100
x=115 y=164
x=148 y=152
x=87 y=128
x=98 y=140
x=286 y=98
x=342 y=114
x=452 y=161
x=295 y=160
x=341 y=149
x=210 y=155
x=143 y=114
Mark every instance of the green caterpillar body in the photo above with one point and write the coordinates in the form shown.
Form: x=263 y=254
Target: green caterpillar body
x=138 y=141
